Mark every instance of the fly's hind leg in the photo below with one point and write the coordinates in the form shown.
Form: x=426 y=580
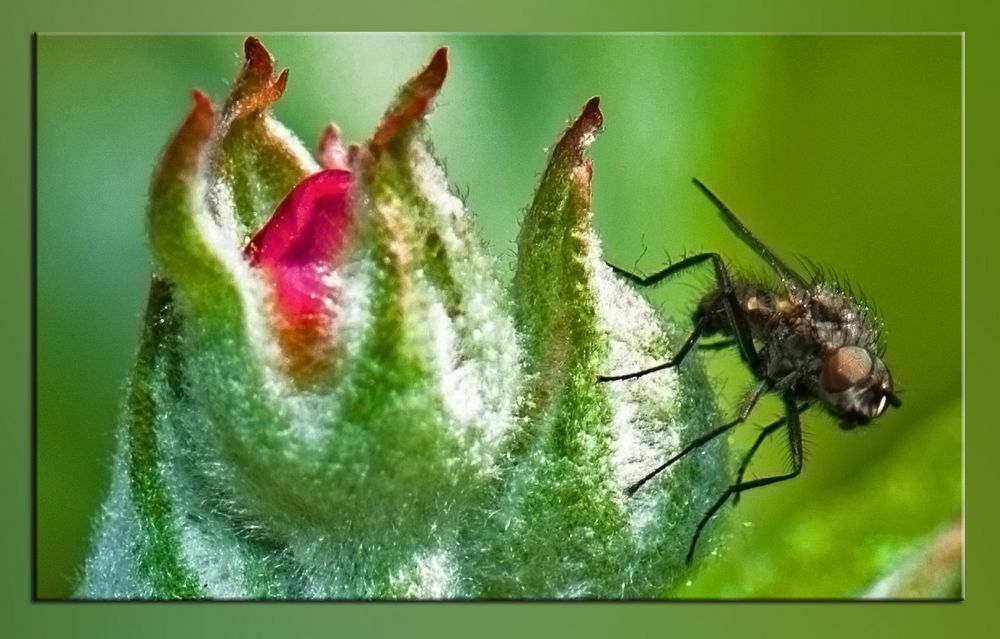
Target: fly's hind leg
x=741 y=334
x=735 y=315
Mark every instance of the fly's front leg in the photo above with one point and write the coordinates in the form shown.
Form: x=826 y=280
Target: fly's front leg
x=720 y=345
x=794 y=429
x=674 y=361
x=764 y=434
x=659 y=276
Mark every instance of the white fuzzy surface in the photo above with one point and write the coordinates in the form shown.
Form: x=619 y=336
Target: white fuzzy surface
x=111 y=570
x=477 y=353
x=645 y=409
x=432 y=575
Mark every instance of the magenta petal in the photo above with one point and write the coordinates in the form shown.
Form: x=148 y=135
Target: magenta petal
x=296 y=248
x=309 y=226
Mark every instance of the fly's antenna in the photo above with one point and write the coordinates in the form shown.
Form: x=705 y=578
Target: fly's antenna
x=788 y=276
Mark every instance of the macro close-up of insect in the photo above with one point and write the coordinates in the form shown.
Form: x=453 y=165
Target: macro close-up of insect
x=809 y=342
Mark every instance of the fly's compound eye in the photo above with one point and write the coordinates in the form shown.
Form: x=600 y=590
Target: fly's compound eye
x=845 y=368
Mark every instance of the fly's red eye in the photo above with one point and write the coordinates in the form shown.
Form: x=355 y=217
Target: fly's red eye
x=845 y=367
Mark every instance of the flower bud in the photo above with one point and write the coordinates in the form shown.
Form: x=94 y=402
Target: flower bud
x=335 y=398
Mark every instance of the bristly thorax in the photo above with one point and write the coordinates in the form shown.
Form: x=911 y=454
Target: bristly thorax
x=793 y=329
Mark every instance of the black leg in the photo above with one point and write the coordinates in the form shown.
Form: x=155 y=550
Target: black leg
x=795 y=445
x=674 y=361
x=735 y=315
x=764 y=433
x=659 y=276
x=677 y=358
x=756 y=393
x=718 y=346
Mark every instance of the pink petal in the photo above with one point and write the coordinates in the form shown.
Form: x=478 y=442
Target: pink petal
x=296 y=249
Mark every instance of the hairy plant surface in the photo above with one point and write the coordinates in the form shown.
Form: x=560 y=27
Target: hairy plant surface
x=334 y=397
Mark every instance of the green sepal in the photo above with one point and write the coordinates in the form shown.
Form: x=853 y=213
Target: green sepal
x=570 y=530
x=254 y=161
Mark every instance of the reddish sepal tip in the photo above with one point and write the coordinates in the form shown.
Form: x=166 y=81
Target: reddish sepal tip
x=436 y=71
x=278 y=88
x=591 y=113
x=413 y=102
x=257 y=55
x=201 y=100
x=581 y=132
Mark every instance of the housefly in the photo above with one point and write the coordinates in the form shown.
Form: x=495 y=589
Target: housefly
x=808 y=341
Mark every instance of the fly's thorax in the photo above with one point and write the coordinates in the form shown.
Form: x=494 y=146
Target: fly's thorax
x=838 y=319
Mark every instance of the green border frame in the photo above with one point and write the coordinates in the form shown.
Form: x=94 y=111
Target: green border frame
x=977 y=21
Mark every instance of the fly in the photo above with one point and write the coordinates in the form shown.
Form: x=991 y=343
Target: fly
x=809 y=342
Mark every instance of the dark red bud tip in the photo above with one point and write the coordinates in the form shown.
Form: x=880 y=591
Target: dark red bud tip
x=202 y=102
x=580 y=134
x=587 y=123
x=413 y=102
x=184 y=151
x=258 y=58
x=591 y=113
x=436 y=71
x=201 y=119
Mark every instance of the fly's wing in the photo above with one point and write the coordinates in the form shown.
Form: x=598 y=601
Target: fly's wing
x=791 y=279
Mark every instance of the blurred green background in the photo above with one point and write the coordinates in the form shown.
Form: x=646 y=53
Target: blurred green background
x=845 y=149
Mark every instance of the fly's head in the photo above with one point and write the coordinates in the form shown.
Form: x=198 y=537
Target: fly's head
x=856 y=385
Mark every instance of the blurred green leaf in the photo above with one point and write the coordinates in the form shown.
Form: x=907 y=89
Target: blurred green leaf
x=842 y=540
